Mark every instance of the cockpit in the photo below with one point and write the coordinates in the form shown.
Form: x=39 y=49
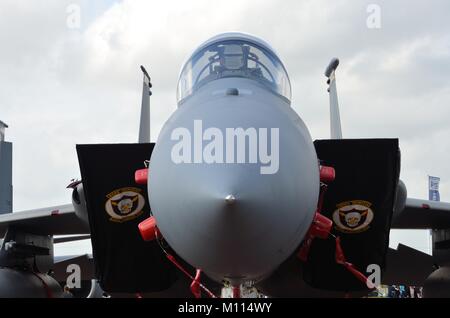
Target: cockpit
x=238 y=57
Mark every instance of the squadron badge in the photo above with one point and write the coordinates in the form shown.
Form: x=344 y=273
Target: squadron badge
x=353 y=216
x=124 y=204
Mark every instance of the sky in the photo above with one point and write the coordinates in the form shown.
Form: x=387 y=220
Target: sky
x=69 y=74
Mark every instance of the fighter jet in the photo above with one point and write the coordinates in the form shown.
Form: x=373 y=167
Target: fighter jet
x=251 y=171
x=238 y=190
x=248 y=159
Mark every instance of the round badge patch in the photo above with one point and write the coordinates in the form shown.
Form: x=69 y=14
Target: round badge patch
x=125 y=204
x=353 y=216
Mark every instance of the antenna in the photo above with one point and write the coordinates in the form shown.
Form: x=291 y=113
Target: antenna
x=144 y=127
x=335 y=119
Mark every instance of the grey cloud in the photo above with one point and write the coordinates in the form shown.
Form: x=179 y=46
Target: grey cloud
x=59 y=87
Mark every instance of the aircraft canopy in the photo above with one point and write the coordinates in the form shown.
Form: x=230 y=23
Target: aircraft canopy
x=234 y=57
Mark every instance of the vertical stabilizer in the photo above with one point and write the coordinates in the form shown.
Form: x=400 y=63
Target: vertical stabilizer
x=144 y=127
x=335 y=118
x=5 y=172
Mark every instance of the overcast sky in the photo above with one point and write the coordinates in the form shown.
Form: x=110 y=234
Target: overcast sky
x=64 y=83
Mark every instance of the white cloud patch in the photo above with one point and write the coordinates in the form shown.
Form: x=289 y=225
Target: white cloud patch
x=60 y=87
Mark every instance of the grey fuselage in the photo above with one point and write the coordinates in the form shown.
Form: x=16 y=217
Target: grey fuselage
x=236 y=221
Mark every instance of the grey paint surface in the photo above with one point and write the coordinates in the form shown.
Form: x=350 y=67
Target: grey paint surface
x=144 y=125
x=423 y=214
x=335 y=118
x=271 y=214
x=57 y=220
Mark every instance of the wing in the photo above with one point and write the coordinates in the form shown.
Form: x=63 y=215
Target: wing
x=423 y=214
x=65 y=239
x=57 y=220
x=407 y=266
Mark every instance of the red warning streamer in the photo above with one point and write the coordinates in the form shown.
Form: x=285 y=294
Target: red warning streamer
x=195 y=282
x=321 y=228
x=340 y=259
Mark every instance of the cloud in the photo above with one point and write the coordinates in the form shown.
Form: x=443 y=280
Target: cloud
x=62 y=86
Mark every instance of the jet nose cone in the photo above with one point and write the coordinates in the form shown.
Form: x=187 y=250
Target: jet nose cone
x=231 y=221
x=230 y=199
x=234 y=220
